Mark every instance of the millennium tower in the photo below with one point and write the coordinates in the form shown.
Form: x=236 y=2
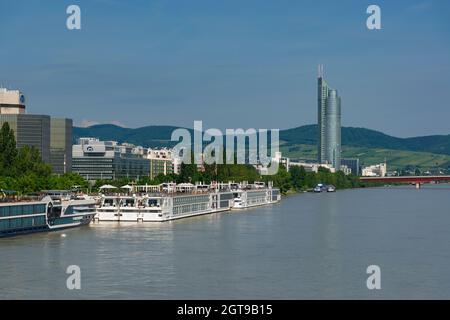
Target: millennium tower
x=329 y=123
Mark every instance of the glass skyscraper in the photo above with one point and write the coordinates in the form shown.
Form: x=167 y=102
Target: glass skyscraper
x=329 y=124
x=30 y=130
x=61 y=145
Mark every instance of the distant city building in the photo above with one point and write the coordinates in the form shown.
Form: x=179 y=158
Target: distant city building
x=176 y=164
x=395 y=173
x=11 y=101
x=108 y=160
x=378 y=170
x=329 y=123
x=61 y=145
x=285 y=162
x=52 y=137
x=312 y=166
x=352 y=164
x=161 y=162
x=30 y=130
x=346 y=170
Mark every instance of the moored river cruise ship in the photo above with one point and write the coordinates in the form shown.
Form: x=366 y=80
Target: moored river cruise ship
x=48 y=214
x=170 y=201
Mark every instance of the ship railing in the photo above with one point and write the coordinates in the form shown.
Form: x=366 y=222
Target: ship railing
x=7 y=199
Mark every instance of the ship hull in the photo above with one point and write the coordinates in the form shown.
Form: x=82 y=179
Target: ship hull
x=26 y=231
x=21 y=218
x=162 y=207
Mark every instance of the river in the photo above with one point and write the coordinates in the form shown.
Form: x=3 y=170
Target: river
x=315 y=246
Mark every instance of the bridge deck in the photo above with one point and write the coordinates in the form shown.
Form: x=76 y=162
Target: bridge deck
x=406 y=179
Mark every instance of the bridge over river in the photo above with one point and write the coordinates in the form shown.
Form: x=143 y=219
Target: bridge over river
x=417 y=180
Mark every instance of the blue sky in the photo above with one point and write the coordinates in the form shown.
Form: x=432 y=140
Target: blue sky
x=231 y=63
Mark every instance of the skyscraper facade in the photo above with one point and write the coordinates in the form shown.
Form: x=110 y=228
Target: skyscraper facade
x=322 y=107
x=352 y=164
x=61 y=145
x=329 y=123
x=52 y=137
x=30 y=130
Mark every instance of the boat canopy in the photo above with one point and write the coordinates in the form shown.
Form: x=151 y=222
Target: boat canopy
x=107 y=186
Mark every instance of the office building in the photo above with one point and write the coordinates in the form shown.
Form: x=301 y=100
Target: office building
x=61 y=145
x=329 y=123
x=108 y=160
x=352 y=164
x=11 y=101
x=30 y=130
x=51 y=137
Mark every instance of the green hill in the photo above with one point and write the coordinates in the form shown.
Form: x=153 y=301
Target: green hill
x=362 y=137
x=396 y=159
x=369 y=145
x=150 y=136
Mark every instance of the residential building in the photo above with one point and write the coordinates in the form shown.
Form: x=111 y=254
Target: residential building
x=378 y=170
x=346 y=170
x=161 y=162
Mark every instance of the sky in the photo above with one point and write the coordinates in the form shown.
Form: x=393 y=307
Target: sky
x=232 y=64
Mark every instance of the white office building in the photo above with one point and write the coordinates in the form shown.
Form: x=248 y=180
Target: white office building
x=108 y=160
x=378 y=170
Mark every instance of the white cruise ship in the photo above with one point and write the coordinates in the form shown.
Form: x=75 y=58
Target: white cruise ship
x=169 y=201
x=247 y=196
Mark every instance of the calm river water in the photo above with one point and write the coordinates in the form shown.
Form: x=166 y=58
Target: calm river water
x=307 y=246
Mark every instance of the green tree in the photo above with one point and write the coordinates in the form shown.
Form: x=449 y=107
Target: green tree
x=8 y=150
x=298 y=176
x=28 y=160
x=188 y=172
x=282 y=179
x=210 y=173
